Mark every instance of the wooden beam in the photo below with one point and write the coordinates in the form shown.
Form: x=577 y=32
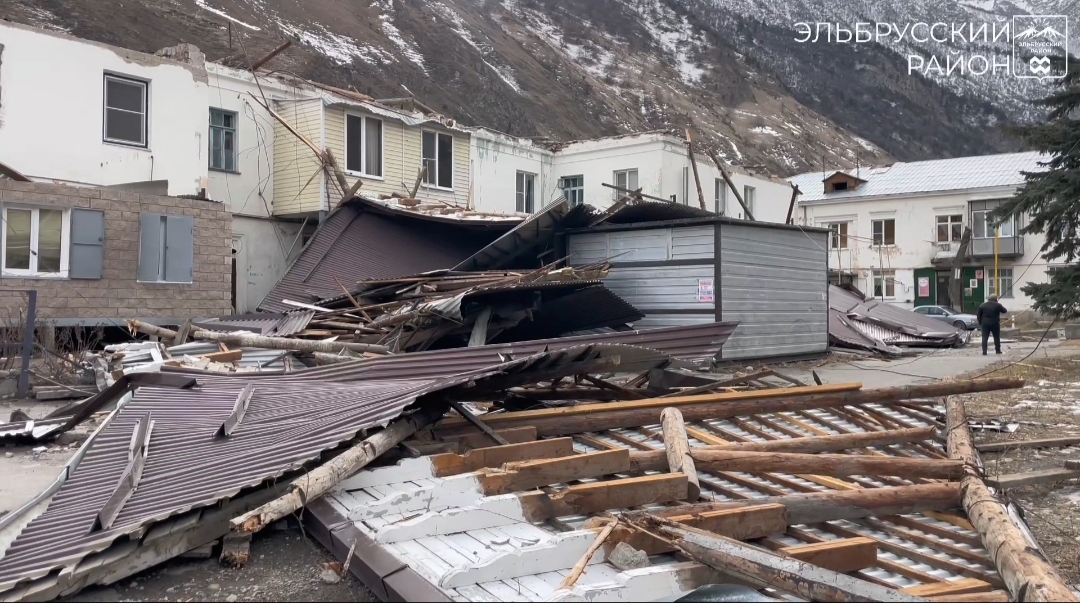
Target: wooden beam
x=994 y=596
x=1027 y=574
x=230 y=356
x=1028 y=444
x=727 y=178
x=635 y=193
x=824 y=464
x=795 y=192
x=515 y=435
x=1028 y=478
x=495 y=456
x=597 y=417
x=579 y=567
x=273 y=53
x=693 y=164
x=756 y=521
x=623 y=393
x=818 y=507
x=964 y=586
x=182 y=333
x=476 y=421
x=764 y=568
x=677 y=450
x=526 y=475
x=603 y=496
x=657 y=461
x=841 y=555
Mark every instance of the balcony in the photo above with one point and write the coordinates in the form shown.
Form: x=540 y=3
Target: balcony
x=1007 y=247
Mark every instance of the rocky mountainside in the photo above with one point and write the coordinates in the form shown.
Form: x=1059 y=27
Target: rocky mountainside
x=569 y=69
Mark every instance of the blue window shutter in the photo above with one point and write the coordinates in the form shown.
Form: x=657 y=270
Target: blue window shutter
x=179 y=249
x=87 y=243
x=149 y=247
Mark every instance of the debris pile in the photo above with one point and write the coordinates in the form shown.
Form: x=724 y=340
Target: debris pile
x=882 y=328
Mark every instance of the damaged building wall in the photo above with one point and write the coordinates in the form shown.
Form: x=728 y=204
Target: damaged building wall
x=51 y=121
x=117 y=292
x=298 y=181
x=496 y=161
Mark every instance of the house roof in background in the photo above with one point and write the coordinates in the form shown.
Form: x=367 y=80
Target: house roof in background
x=910 y=178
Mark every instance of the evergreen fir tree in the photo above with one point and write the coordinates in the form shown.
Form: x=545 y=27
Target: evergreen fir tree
x=1051 y=198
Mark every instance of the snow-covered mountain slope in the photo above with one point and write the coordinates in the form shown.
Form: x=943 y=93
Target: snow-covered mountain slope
x=732 y=69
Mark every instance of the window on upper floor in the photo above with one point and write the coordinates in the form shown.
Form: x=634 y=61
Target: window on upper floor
x=438 y=158
x=222 y=140
x=35 y=241
x=838 y=238
x=884 y=232
x=573 y=188
x=125 y=110
x=720 y=196
x=364 y=145
x=983 y=228
x=749 y=195
x=624 y=179
x=950 y=228
x=526 y=192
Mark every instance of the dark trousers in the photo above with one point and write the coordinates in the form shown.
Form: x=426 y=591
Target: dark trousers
x=986 y=331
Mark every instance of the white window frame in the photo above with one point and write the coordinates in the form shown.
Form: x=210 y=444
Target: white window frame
x=836 y=234
x=720 y=197
x=617 y=194
x=749 y=196
x=873 y=223
x=105 y=110
x=453 y=160
x=949 y=223
x=236 y=138
x=35 y=217
x=991 y=284
x=888 y=281
x=523 y=177
x=363 y=146
x=988 y=232
x=579 y=189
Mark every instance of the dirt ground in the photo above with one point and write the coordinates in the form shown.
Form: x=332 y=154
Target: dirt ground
x=1047 y=406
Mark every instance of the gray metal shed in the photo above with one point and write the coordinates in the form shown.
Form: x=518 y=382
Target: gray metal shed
x=771 y=278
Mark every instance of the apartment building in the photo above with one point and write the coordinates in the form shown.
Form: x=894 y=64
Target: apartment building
x=512 y=174
x=897 y=229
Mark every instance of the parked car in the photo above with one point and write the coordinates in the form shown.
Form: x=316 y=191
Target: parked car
x=956 y=319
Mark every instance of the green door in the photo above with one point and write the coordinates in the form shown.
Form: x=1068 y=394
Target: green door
x=973 y=296
x=925 y=285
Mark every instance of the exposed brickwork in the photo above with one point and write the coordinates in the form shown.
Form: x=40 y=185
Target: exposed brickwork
x=118 y=295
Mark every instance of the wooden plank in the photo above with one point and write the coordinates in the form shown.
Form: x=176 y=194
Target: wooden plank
x=842 y=555
x=525 y=475
x=1028 y=444
x=836 y=465
x=514 y=435
x=677 y=449
x=229 y=356
x=994 y=596
x=604 y=496
x=1028 y=478
x=941 y=589
x=740 y=524
x=496 y=456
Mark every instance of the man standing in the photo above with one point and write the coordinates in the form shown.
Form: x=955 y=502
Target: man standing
x=989 y=318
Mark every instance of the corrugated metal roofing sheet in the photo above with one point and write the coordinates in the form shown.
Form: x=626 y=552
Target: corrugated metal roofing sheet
x=524 y=239
x=269 y=324
x=905 y=178
x=592 y=307
x=875 y=324
x=354 y=244
x=290 y=421
x=654 y=211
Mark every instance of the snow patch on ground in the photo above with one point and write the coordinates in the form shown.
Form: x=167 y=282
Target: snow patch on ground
x=765 y=130
x=675 y=35
x=202 y=4
x=459 y=27
x=591 y=57
x=407 y=48
x=866 y=144
x=340 y=49
x=45 y=19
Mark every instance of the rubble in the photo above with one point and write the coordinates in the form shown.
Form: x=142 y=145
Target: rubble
x=879 y=327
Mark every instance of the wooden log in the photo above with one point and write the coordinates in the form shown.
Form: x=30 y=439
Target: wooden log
x=693 y=164
x=756 y=521
x=636 y=413
x=525 y=475
x=818 y=507
x=965 y=586
x=444 y=465
x=837 y=465
x=183 y=333
x=273 y=53
x=235 y=550
x=1028 y=478
x=260 y=341
x=579 y=567
x=603 y=496
x=766 y=569
x=841 y=555
x=1028 y=444
x=677 y=450
x=323 y=478
x=136 y=326
x=657 y=461
x=1026 y=573
x=727 y=178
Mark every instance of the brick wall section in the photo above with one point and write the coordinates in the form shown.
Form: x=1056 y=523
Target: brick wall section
x=118 y=296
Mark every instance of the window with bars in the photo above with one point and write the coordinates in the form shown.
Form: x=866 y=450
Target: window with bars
x=222 y=140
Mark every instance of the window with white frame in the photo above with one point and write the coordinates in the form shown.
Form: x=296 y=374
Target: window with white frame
x=1003 y=287
x=573 y=188
x=950 y=228
x=983 y=228
x=720 y=196
x=364 y=145
x=884 y=232
x=625 y=179
x=125 y=110
x=749 y=195
x=526 y=192
x=438 y=157
x=222 y=140
x=838 y=237
x=885 y=284
x=35 y=241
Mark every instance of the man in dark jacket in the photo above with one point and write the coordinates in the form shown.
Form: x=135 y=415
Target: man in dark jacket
x=989 y=318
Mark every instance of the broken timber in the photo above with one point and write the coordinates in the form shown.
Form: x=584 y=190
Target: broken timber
x=1042 y=476
x=261 y=341
x=837 y=465
x=677 y=448
x=1027 y=574
x=1028 y=444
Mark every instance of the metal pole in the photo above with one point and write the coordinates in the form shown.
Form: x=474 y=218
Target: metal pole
x=28 y=343
x=997 y=283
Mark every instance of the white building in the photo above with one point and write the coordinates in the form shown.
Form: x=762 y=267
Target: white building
x=898 y=228
x=511 y=174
